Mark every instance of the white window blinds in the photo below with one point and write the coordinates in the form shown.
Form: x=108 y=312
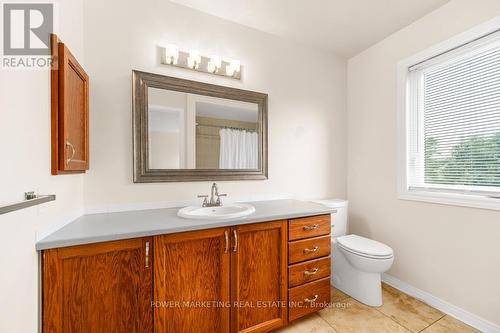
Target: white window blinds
x=454 y=119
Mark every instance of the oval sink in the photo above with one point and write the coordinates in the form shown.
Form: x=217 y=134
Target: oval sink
x=216 y=213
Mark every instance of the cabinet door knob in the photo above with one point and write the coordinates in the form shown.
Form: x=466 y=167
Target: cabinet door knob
x=226 y=239
x=314 y=249
x=311 y=227
x=310 y=300
x=235 y=234
x=147 y=254
x=311 y=272
x=73 y=151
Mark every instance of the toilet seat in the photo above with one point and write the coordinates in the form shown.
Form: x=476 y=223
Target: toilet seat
x=365 y=247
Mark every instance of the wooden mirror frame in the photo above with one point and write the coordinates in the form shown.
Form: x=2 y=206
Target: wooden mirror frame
x=141 y=81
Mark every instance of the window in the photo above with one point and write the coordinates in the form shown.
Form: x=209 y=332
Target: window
x=452 y=125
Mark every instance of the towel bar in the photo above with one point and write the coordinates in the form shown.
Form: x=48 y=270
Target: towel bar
x=31 y=200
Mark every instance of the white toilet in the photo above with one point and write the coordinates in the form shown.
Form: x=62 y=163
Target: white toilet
x=357 y=262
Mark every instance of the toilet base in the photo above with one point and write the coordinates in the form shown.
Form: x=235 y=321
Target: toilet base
x=363 y=286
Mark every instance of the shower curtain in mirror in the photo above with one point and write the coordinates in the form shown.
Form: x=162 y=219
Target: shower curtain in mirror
x=238 y=149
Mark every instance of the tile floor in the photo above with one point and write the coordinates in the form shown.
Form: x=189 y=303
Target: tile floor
x=399 y=313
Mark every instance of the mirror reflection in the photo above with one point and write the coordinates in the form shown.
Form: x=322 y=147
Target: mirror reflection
x=190 y=131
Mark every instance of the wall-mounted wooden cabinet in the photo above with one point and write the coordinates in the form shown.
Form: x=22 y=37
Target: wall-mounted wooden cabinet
x=70 y=111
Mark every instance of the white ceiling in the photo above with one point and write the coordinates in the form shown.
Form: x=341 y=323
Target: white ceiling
x=345 y=27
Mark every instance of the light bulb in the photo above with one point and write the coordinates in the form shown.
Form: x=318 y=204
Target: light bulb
x=233 y=67
x=229 y=70
x=172 y=54
x=194 y=59
x=214 y=64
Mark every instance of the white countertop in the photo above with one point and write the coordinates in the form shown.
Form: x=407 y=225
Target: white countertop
x=123 y=225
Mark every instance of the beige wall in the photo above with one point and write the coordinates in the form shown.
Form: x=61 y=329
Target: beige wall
x=25 y=166
x=307 y=135
x=450 y=252
x=164 y=150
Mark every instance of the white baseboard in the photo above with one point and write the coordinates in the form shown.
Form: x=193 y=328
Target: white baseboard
x=469 y=318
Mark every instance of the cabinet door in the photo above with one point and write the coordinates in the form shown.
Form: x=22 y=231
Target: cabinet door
x=73 y=113
x=259 y=277
x=103 y=287
x=191 y=288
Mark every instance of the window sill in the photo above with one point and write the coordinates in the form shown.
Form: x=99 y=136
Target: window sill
x=453 y=199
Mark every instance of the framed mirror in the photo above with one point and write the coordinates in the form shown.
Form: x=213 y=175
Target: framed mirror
x=192 y=131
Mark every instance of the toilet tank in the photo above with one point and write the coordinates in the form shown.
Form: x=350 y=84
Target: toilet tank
x=339 y=219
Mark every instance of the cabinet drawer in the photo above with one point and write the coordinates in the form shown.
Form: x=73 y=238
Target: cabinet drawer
x=309 y=227
x=308 y=271
x=310 y=248
x=310 y=297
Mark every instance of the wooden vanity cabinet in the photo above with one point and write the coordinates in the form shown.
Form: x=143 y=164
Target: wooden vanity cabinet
x=221 y=280
x=102 y=287
x=259 y=277
x=191 y=271
x=309 y=259
x=69 y=111
x=232 y=279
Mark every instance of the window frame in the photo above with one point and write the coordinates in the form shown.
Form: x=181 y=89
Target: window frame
x=466 y=198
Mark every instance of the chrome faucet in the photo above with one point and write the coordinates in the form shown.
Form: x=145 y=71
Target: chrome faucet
x=215 y=200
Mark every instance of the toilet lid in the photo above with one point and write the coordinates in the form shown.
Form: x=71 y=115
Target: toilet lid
x=365 y=246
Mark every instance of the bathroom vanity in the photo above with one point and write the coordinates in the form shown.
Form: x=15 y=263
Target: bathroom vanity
x=146 y=271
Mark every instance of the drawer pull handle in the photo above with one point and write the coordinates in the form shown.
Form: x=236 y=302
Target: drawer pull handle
x=314 y=249
x=311 y=227
x=311 y=272
x=311 y=300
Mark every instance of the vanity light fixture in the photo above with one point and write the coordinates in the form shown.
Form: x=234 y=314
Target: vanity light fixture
x=215 y=64
x=171 y=54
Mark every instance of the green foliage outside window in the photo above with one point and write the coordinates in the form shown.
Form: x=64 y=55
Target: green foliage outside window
x=474 y=161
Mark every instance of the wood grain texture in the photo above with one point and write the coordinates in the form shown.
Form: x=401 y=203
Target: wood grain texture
x=191 y=267
x=141 y=81
x=73 y=112
x=308 y=271
x=259 y=277
x=301 y=250
x=307 y=227
x=299 y=307
x=103 y=287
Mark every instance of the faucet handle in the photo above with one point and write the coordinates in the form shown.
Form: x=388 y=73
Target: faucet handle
x=219 y=202
x=205 y=199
